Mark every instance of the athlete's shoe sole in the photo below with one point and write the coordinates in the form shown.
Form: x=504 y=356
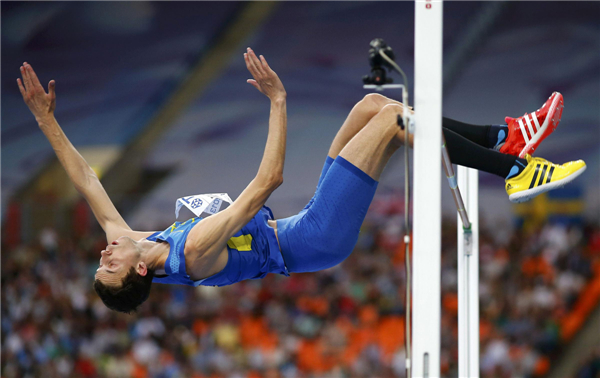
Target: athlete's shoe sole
x=528 y=194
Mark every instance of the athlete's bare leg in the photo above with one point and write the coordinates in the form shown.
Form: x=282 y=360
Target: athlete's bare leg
x=374 y=144
x=358 y=117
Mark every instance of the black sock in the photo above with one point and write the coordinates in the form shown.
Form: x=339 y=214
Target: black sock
x=464 y=152
x=497 y=136
x=489 y=136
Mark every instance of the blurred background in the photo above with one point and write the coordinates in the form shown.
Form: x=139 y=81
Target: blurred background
x=153 y=95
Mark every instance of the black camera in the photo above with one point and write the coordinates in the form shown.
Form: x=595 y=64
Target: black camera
x=378 y=63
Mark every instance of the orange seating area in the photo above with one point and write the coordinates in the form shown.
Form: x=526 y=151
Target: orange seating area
x=587 y=302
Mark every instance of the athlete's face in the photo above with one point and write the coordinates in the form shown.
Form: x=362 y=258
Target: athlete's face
x=117 y=259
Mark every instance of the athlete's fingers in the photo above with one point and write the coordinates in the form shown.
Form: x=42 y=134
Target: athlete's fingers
x=21 y=88
x=30 y=85
x=51 y=89
x=249 y=65
x=254 y=84
x=34 y=79
x=255 y=71
x=25 y=75
x=22 y=69
x=255 y=61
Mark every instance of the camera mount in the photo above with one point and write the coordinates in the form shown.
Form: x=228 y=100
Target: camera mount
x=378 y=63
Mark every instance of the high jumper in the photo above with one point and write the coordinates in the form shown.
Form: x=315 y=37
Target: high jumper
x=244 y=241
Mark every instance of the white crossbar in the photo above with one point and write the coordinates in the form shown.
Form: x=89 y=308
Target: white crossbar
x=427 y=189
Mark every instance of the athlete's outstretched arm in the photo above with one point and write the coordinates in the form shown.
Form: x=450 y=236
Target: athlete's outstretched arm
x=86 y=181
x=217 y=229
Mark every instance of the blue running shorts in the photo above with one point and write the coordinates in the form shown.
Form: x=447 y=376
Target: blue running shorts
x=324 y=233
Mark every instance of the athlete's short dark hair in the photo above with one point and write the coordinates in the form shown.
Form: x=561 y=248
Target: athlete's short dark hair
x=126 y=298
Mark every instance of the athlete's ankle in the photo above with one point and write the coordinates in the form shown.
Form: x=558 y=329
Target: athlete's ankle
x=497 y=135
x=520 y=165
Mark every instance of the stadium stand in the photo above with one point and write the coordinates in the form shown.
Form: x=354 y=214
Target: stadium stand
x=345 y=320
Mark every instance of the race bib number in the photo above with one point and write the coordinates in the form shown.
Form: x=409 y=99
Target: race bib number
x=204 y=205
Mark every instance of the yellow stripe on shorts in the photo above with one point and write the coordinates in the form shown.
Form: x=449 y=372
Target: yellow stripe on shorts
x=241 y=243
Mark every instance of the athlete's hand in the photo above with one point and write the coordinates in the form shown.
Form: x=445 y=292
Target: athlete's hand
x=40 y=103
x=265 y=79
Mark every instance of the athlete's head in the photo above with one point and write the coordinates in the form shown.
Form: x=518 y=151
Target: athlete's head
x=123 y=280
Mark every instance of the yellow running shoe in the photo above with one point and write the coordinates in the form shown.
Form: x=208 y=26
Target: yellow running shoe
x=541 y=176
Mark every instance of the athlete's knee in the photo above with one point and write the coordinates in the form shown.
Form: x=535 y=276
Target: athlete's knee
x=375 y=100
x=390 y=112
x=396 y=108
x=371 y=104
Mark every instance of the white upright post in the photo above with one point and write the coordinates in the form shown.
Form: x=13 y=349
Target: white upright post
x=427 y=189
x=468 y=278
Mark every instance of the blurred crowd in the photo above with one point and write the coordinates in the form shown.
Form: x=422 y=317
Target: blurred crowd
x=347 y=321
x=590 y=367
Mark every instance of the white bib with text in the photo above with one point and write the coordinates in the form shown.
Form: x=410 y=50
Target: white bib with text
x=203 y=205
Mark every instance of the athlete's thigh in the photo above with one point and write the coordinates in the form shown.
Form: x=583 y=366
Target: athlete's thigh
x=372 y=146
x=358 y=117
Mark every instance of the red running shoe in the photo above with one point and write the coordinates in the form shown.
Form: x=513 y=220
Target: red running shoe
x=527 y=132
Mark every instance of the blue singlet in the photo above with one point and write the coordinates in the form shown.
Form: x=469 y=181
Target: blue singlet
x=253 y=252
